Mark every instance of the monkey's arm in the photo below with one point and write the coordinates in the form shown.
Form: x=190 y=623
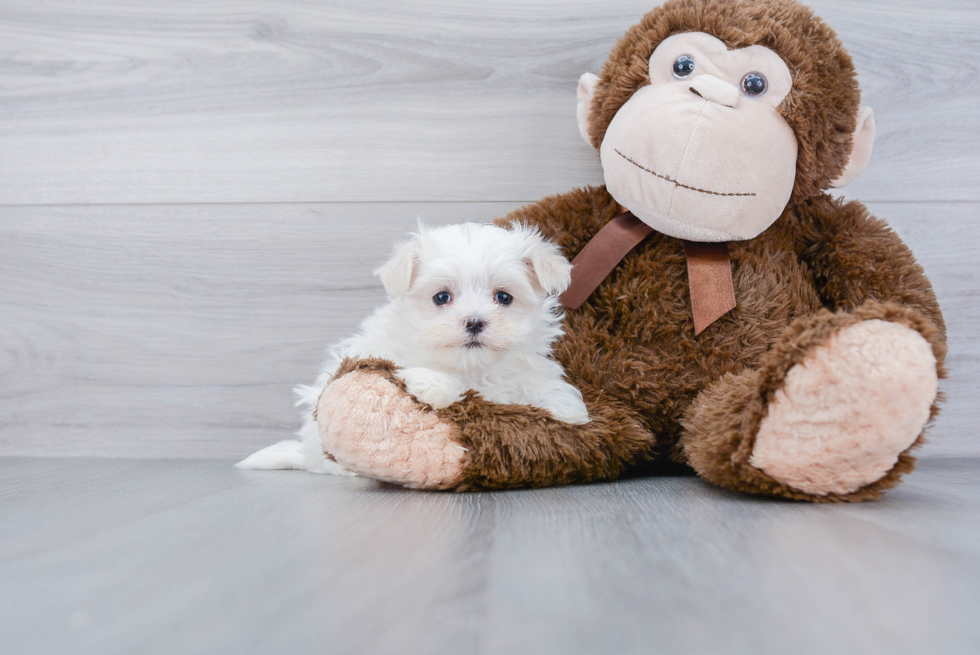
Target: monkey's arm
x=509 y=446
x=370 y=425
x=856 y=257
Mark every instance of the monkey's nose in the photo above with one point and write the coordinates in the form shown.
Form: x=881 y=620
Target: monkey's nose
x=475 y=325
x=712 y=89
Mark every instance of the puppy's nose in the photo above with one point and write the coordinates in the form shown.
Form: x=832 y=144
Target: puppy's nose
x=475 y=325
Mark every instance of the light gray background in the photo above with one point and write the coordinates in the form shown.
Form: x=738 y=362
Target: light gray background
x=193 y=193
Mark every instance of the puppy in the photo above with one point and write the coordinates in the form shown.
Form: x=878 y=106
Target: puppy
x=469 y=307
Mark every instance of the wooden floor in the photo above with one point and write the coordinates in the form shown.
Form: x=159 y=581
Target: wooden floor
x=183 y=556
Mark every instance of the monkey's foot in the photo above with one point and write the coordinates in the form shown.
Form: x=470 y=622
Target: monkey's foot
x=845 y=413
x=832 y=412
x=373 y=427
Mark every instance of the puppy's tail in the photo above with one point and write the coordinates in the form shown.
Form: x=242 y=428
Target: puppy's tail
x=305 y=455
x=283 y=455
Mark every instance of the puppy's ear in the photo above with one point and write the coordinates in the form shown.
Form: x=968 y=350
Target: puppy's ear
x=549 y=268
x=398 y=272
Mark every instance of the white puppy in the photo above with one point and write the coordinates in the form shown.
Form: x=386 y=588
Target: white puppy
x=470 y=307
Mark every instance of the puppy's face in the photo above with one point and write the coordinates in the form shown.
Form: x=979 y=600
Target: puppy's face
x=471 y=292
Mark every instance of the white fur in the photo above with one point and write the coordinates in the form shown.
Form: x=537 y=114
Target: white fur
x=508 y=362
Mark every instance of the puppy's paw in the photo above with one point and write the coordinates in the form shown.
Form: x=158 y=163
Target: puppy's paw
x=433 y=388
x=565 y=404
x=571 y=415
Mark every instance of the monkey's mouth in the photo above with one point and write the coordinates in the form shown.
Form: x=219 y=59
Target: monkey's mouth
x=676 y=183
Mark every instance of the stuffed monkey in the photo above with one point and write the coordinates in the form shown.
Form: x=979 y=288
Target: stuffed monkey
x=751 y=327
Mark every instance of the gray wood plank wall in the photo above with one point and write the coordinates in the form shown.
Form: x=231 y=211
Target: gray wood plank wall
x=193 y=193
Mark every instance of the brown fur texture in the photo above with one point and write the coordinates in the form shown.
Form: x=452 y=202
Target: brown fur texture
x=822 y=108
x=656 y=392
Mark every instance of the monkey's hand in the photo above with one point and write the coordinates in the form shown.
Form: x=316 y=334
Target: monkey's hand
x=371 y=425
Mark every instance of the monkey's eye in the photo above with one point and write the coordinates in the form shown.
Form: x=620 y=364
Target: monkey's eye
x=754 y=85
x=683 y=66
x=503 y=298
x=442 y=298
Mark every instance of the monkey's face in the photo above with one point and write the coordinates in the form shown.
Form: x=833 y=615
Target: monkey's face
x=702 y=153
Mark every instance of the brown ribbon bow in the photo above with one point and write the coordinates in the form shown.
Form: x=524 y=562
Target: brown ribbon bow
x=709 y=269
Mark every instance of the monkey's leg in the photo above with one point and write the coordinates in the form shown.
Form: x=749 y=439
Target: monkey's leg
x=371 y=426
x=831 y=414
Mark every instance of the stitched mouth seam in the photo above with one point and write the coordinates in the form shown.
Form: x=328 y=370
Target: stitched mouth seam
x=683 y=186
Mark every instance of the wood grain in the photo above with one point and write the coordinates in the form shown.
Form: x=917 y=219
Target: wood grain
x=178 y=331
x=149 y=556
x=217 y=101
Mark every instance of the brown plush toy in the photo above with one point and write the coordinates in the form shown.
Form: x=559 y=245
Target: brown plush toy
x=738 y=320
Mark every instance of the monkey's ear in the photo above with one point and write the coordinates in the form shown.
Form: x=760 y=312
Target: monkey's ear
x=398 y=272
x=864 y=139
x=586 y=89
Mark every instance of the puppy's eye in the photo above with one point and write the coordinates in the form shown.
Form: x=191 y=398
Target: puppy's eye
x=442 y=298
x=683 y=66
x=503 y=298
